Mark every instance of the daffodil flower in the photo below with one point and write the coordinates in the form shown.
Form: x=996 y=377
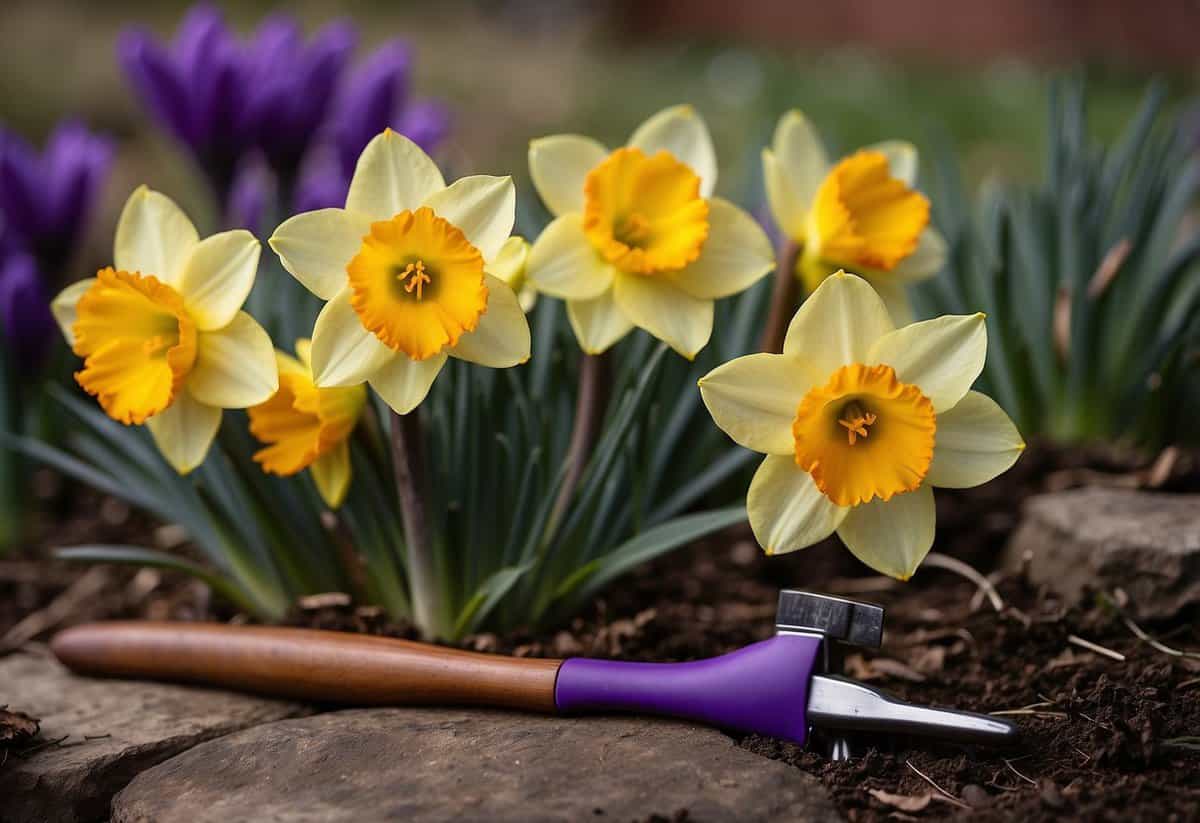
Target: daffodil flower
x=510 y=266
x=161 y=332
x=307 y=427
x=404 y=270
x=861 y=213
x=638 y=238
x=859 y=421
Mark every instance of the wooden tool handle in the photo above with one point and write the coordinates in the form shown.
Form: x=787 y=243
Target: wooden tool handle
x=307 y=664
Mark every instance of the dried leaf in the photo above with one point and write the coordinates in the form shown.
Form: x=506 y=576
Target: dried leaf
x=17 y=727
x=903 y=802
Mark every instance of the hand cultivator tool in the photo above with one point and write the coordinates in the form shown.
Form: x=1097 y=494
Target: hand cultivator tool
x=783 y=687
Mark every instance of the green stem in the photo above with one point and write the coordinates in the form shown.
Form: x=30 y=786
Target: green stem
x=408 y=462
x=784 y=298
x=589 y=411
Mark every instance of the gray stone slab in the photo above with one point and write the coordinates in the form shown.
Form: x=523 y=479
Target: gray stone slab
x=1147 y=543
x=425 y=765
x=113 y=730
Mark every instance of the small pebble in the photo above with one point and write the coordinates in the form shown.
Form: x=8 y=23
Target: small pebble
x=975 y=795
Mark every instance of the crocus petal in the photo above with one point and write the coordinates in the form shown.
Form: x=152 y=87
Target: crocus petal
x=799 y=156
x=976 y=441
x=564 y=264
x=403 y=382
x=598 y=323
x=502 y=337
x=754 y=398
x=902 y=159
x=681 y=131
x=154 y=236
x=393 y=174
x=331 y=474
x=63 y=307
x=184 y=431
x=838 y=323
x=316 y=246
x=787 y=511
x=672 y=315
x=736 y=254
x=926 y=260
x=235 y=366
x=218 y=276
x=942 y=357
x=892 y=536
x=344 y=353
x=559 y=165
x=483 y=207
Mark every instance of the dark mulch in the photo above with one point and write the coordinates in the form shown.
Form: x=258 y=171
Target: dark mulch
x=1102 y=739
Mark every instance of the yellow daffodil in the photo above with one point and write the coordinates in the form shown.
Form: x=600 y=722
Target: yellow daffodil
x=638 y=238
x=861 y=213
x=859 y=420
x=404 y=267
x=307 y=427
x=161 y=332
x=510 y=266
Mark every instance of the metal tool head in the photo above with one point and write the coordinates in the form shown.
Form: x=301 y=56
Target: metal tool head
x=834 y=618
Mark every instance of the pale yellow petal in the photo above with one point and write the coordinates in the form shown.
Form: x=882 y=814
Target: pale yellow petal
x=789 y=207
x=393 y=175
x=558 y=165
x=218 y=277
x=235 y=366
x=403 y=383
x=976 y=441
x=184 y=431
x=154 y=236
x=63 y=307
x=942 y=357
x=893 y=536
x=344 y=353
x=736 y=254
x=482 y=206
x=838 y=323
x=681 y=131
x=902 y=159
x=598 y=323
x=509 y=262
x=501 y=339
x=787 y=511
x=316 y=246
x=926 y=260
x=562 y=262
x=800 y=156
x=672 y=315
x=754 y=399
x=331 y=474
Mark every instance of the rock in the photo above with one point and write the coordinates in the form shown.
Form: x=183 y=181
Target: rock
x=110 y=730
x=1099 y=539
x=424 y=765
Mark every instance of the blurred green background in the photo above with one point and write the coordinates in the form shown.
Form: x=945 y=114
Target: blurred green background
x=968 y=75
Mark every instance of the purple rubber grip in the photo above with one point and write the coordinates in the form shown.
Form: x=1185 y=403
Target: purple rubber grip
x=762 y=688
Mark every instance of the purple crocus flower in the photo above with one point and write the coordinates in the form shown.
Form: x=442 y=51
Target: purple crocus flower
x=46 y=198
x=223 y=97
x=374 y=96
x=25 y=320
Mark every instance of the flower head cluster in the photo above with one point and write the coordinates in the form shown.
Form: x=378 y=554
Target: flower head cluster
x=46 y=199
x=273 y=102
x=639 y=239
x=861 y=213
x=859 y=421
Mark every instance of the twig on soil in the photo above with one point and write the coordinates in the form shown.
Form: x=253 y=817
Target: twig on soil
x=951 y=798
x=45 y=744
x=1033 y=710
x=1086 y=757
x=1095 y=647
x=1115 y=599
x=1188 y=683
x=1014 y=770
x=953 y=564
x=82 y=590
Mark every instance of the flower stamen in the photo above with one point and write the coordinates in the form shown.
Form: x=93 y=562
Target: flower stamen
x=855 y=421
x=417 y=278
